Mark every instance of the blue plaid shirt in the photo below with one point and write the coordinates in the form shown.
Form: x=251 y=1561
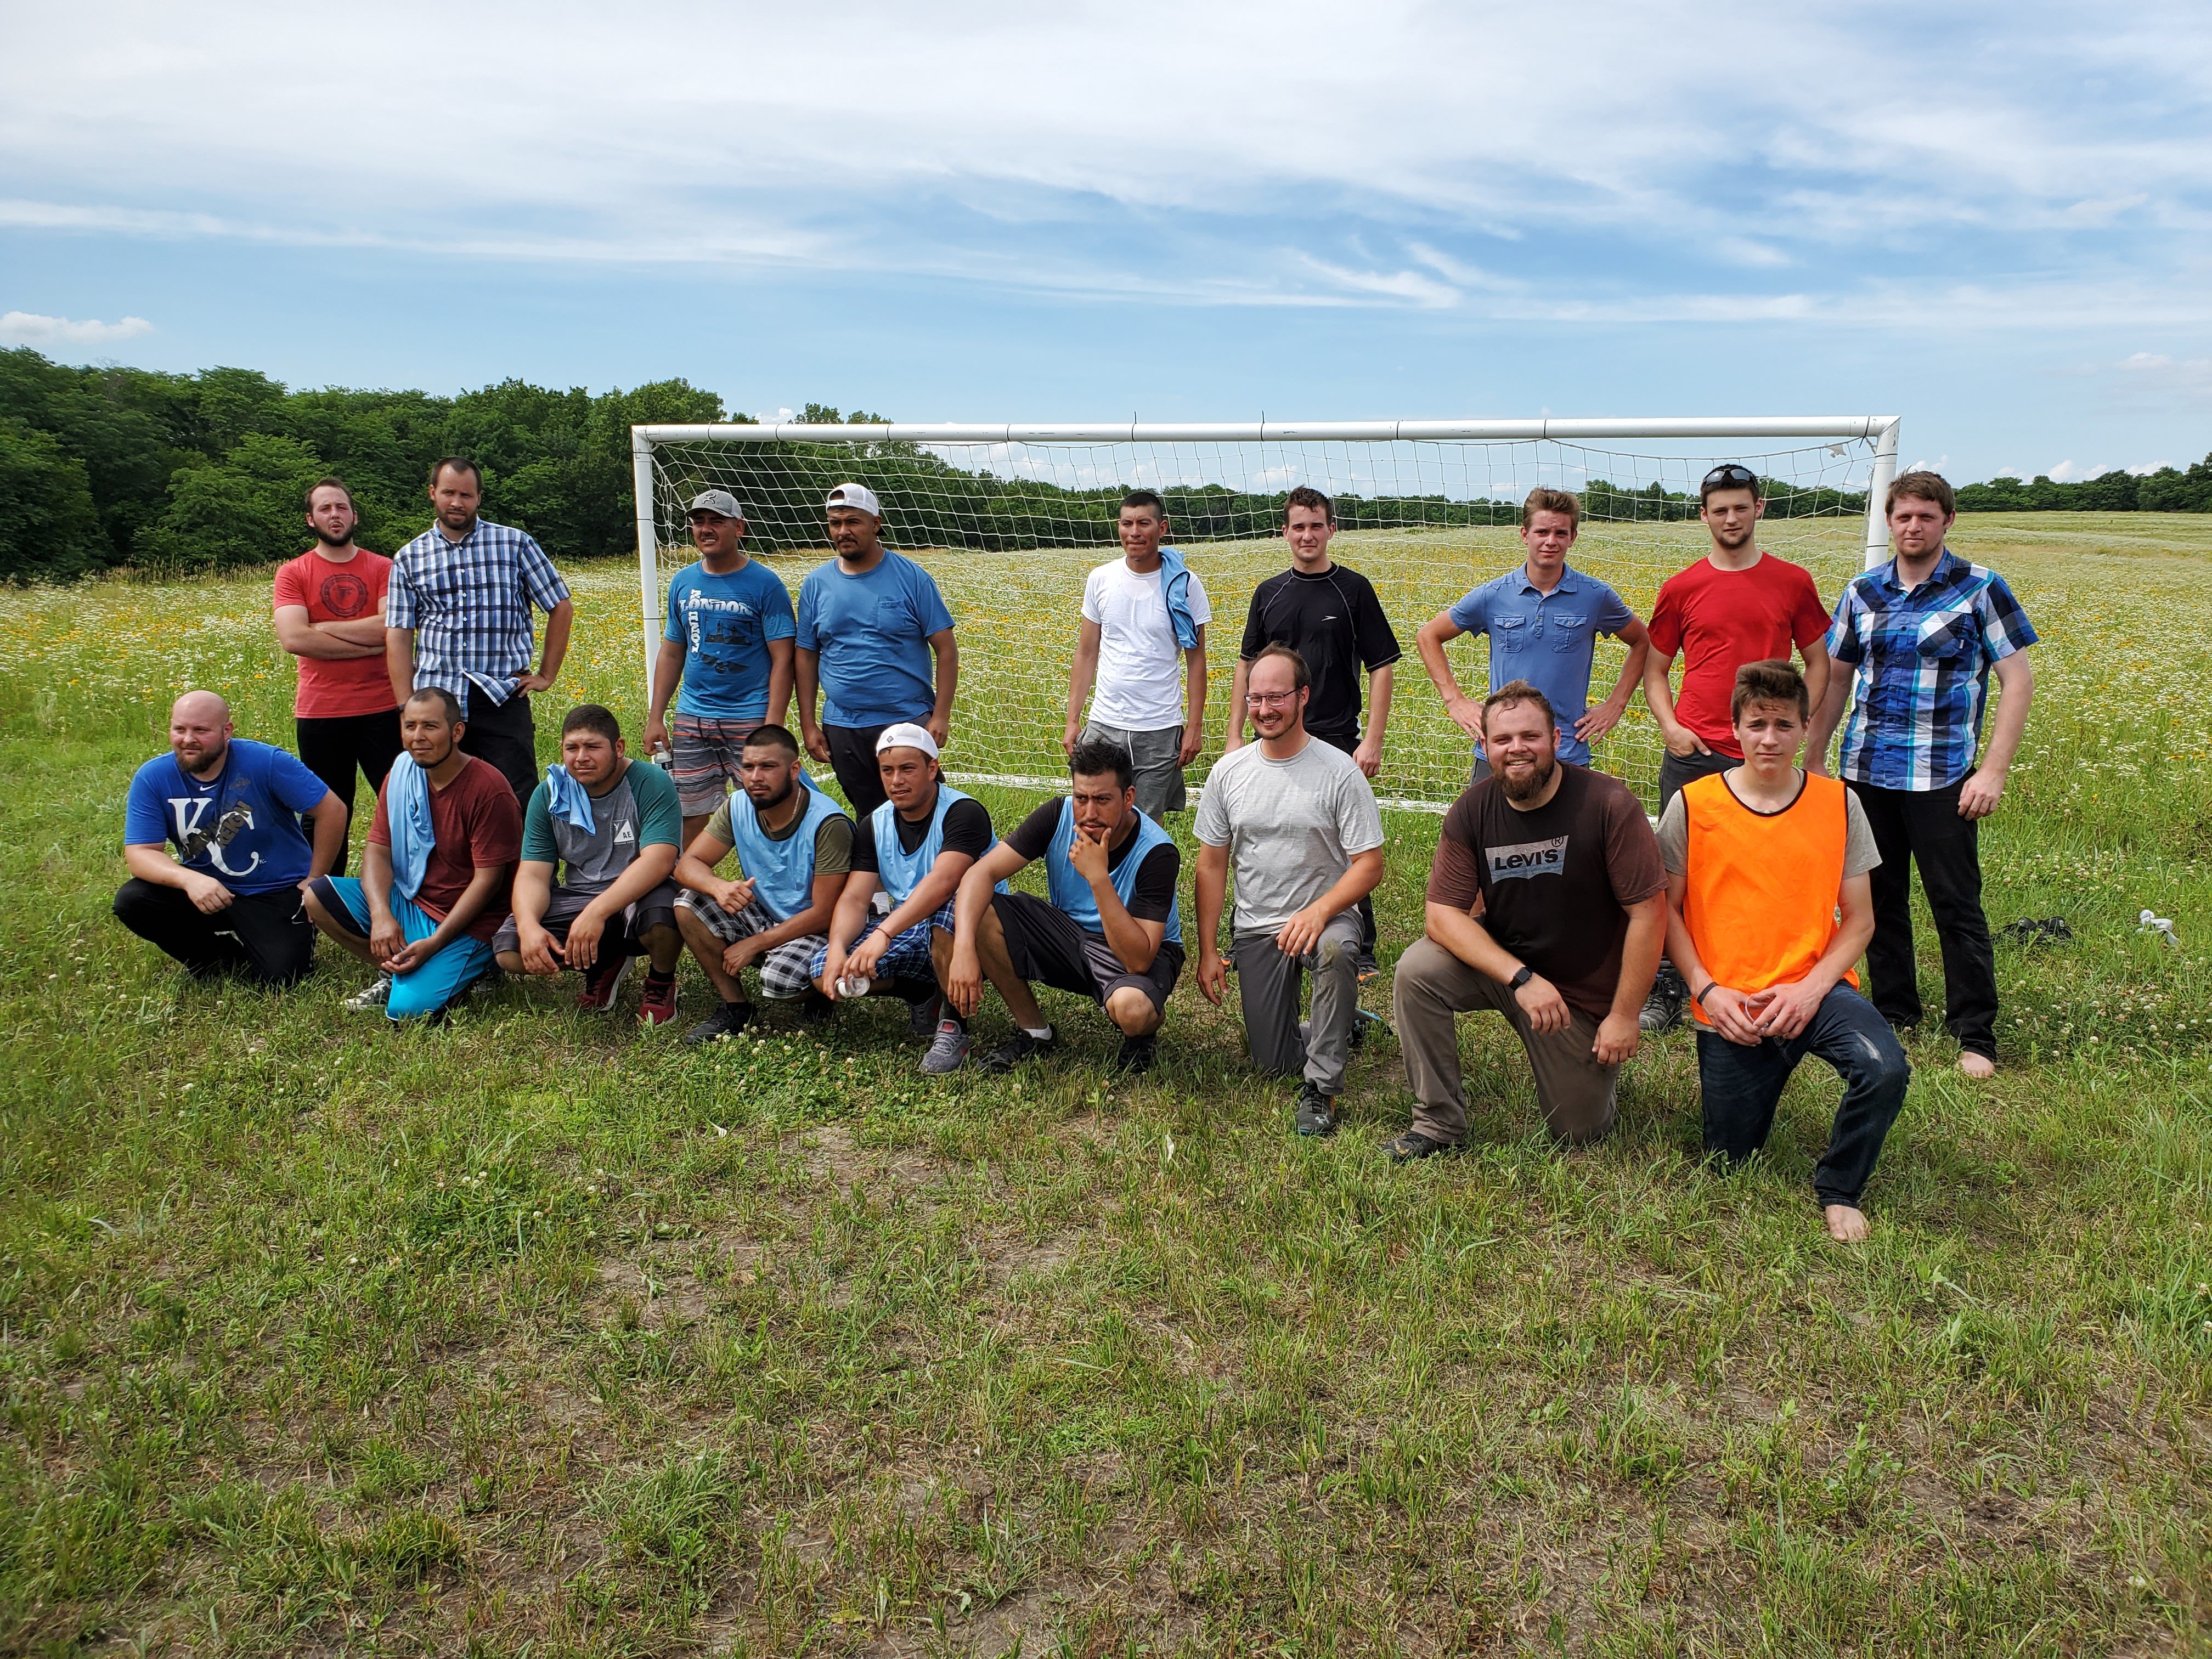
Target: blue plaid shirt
x=469 y=604
x=1923 y=657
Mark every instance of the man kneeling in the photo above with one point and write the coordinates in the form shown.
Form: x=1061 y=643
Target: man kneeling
x=794 y=847
x=1760 y=860
x=435 y=876
x=611 y=826
x=1111 y=930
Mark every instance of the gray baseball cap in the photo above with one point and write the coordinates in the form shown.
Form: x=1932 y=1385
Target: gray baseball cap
x=717 y=500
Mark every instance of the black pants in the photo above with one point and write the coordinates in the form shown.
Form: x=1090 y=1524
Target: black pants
x=332 y=745
x=264 y=936
x=1675 y=770
x=504 y=734
x=1923 y=826
x=853 y=756
x=1348 y=745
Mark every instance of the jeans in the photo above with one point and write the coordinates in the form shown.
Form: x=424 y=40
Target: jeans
x=1923 y=826
x=264 y=936
x=332 y=745
x=1741 y=1085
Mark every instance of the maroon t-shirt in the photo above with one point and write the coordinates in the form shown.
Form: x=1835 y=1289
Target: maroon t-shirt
x=474 y=821
x=1554 y=883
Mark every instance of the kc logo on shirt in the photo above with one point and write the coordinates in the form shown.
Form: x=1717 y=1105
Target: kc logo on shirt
x=1529 y=858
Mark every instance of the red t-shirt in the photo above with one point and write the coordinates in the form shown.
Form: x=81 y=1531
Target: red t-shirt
x=473 y=821
x=338 y=593
x=1720 y=620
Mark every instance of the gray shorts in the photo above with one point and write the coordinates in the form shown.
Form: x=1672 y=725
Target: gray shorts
x=705 y=753
x=656 y=910
x=1156 y=758
x=783 y=970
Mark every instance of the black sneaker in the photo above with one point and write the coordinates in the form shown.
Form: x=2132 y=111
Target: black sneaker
x=1413 y=1144
x=727 y=1020
x=815 y=1009
x=1364 y=1022
x=922 y=1015
x=1138 y=1055
x=1369 y=969
x=1019 y=1050
x=1662 y=1009
x=1317 y=1111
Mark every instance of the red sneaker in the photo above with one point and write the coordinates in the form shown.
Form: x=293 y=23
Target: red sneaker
x=601 y=980
x=656 y=1003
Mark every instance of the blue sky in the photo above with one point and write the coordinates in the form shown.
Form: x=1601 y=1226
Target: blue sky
x=1997 y=223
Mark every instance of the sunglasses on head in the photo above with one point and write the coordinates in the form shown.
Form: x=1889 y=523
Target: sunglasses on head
x=1731 y=476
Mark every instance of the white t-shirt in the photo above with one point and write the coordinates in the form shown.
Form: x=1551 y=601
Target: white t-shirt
x=1292 y=827
x=1140 y=683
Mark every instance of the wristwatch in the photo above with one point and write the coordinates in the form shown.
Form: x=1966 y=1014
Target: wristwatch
x=1522 y=978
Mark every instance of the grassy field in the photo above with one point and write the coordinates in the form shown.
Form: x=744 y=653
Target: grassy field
x=536 y=1335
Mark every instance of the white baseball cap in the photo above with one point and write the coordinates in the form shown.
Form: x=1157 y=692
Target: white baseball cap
x=854 y=494
x=906 y=735
x=717 y=500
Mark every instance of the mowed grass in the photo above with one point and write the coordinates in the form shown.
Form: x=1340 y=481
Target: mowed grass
x=534 y=1335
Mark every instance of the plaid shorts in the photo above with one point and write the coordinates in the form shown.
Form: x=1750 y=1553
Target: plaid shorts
x=784 y=971
x=704 y=752
x=909 y=956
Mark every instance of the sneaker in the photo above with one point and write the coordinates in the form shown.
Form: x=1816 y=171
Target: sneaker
x=1020 y=1050
x=1662 y=1009
x=1413 y=1144
x=815 y=1009
x=1138 y=1055
x=949 y=1052
x=1369 y=969
x=602 y=982
x=656 y=1004
x=372 y=997
x=925 y=1018
x=1317 y=1111
x=727 y=1020
x=1365 y=1023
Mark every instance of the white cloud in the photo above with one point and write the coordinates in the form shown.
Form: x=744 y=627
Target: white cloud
x=31 y=328
x=2149 y=467
x=2059 y=471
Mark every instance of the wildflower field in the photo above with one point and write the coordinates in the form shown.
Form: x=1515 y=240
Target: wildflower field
x=536 y=1335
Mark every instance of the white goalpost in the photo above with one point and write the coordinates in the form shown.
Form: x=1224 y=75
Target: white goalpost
x=1009 y=518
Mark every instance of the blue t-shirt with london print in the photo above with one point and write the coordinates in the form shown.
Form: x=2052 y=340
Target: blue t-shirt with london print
x=241 y=826
x=724 y=624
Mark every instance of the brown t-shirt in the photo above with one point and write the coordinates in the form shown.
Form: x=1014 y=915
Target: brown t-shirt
x=473 y=820
x=1554 y=883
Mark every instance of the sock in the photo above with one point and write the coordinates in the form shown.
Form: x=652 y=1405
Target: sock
x=653 y=977
x=1041 y=1033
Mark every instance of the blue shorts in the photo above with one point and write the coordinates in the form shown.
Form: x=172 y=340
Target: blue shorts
x=437 y=982
x=907 y=957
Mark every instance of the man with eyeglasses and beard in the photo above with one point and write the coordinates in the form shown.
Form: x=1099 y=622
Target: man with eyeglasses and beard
x=1547 y=903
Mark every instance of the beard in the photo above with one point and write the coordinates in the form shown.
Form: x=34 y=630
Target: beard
x=775 y=800
x=329 y=540
x=1534 y=785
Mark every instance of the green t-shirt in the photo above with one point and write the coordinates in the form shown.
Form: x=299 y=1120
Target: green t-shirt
x=640 y=811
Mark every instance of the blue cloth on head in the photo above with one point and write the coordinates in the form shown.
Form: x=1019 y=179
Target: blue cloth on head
x=1174 y=592
x=407 y=809
x=568 y=800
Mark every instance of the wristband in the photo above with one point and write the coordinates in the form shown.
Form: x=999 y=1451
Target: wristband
x=1700 y=998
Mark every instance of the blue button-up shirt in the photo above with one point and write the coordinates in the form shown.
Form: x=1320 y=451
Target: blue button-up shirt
x=1923 y=657
x=469 y=604
x=1549 y=640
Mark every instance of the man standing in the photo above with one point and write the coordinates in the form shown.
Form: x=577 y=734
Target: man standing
x=1923 y=631
x=1144 y=617
x=794 y=849
x=436 y=874
x=1547 y=903
x=1298 y=820
x=1328 y=614
x=329 y=613
x=230 y=899
x=1543 y=621
x=729 y=641
x=1737 y=605
x=1760 y=863
x=869 y=622
x=607 y=828
x=1110 y=930
x=458 y=615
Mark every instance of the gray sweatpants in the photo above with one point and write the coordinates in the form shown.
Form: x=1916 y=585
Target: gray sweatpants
x=1268 y=984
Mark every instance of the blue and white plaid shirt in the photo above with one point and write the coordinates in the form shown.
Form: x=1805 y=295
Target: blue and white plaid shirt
x=1923 y=657
x=469 y=604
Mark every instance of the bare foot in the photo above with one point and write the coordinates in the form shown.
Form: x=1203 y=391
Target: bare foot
x=1975 y=1066
x=1847 y=1225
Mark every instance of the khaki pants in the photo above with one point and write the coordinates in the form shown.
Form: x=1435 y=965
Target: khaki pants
x=1432 y=988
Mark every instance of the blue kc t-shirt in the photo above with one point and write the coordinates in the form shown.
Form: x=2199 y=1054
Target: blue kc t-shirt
x=724 y=624
x=873 y=631
x=242 y=827
x=1549 y=640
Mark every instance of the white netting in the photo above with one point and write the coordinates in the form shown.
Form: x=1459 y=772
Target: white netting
x=1009 y=531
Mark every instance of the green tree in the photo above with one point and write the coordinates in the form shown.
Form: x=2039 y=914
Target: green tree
x=247 y=509
x=48 y=525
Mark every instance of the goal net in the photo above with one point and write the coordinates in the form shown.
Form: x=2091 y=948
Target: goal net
x=1009 y=520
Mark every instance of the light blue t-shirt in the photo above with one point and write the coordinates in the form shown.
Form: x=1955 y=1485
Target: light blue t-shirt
x=873 y=631
x=1548 y=640
x=724 y=624
x=242 y=826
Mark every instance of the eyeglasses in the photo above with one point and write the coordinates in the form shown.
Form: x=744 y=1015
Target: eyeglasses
x=1269 y=699
x=1731 y=475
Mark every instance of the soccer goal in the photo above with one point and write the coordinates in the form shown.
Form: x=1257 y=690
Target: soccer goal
x=1008 y=518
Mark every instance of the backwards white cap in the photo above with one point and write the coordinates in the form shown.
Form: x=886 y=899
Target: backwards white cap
x=855 y=494
x=906 y=735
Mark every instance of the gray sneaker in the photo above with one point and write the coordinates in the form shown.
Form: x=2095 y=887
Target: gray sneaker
x=1317 y=1111
x=371 y=998
x=949 y=1052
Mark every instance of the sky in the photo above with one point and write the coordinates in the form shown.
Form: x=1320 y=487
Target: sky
x=1994 y=222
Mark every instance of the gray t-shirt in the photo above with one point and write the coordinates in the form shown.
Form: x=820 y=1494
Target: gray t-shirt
x=1292 y=827
x=640 y=811
x=1860 y=853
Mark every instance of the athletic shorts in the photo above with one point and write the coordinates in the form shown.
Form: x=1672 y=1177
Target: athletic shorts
x=705 y=752
x=909 y=956
x=656 y=910
x=1156 y=759
x=1046 y=948
x=784 y=971
x=437 y=982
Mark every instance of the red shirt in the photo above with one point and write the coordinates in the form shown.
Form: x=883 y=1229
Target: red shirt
x=1720 y=620
x=338 y=593
x=473 y=821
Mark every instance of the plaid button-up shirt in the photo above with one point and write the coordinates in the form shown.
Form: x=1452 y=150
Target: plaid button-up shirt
x=1923 y=658
x=469 y=604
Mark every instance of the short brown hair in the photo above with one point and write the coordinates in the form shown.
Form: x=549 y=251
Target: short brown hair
x=1545 y=499
x=1922 y=487
x=1774 y=681
x=592 y=717
x=1519 y=691
x=1307 y=496
x=331 y=481
x=1301 y=676
x=459 y=464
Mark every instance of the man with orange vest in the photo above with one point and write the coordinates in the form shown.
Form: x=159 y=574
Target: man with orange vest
x=1768 y=907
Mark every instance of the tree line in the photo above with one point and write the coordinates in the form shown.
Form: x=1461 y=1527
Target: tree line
x=2169 y=489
